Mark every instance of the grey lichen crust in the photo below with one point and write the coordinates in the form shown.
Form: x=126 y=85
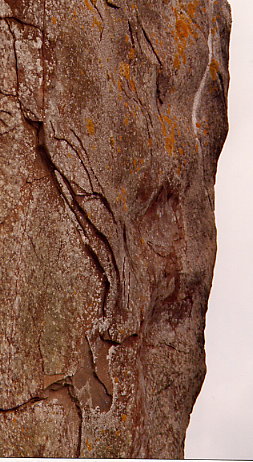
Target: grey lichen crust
x=113 y=115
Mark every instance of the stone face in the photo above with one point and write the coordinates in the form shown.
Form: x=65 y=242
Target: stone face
x=112 y=119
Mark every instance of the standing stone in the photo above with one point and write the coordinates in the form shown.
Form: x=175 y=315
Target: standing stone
x=113 y=116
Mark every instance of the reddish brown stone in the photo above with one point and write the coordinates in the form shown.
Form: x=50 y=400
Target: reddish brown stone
x=113 y=115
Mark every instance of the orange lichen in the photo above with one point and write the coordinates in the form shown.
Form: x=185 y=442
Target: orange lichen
x=214 y=68
x=192 y=7
x=131 y=53
x=119 y=85
x=121 y=197
x=88 y=5
x=185 y=31
x=124 y=70
x=168 y=127
x=88 y=445
x=137 y=165
x=54 y=20
x=176 y=62
x=90 y=127
x=123 y=417
x=170 y=142
x=112 y=141
x=97 y=23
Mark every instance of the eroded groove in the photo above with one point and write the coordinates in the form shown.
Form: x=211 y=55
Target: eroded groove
x=82 y=218
x=93 y=366
x=75 y=400
x=131 y=32
x=67 y=384
x=75 y=207
x=102 y=272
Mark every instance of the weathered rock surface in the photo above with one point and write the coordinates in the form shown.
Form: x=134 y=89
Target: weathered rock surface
x=113 y=115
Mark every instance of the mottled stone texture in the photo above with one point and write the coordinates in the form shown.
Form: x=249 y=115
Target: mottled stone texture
x=113 y=115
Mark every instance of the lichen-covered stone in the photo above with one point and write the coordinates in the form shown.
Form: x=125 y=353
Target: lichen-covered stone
x=112 y=118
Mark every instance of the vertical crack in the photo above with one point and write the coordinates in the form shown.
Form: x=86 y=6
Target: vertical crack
x=149 y=42
x=15 y=52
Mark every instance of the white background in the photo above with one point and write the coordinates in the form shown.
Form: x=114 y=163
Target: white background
x=222 y=420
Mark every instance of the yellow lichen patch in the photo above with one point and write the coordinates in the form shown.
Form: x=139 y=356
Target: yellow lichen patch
x=90 y=127
x=116 y=380
x=88 y=445
x=54 y=20
x=214 y=68
x=123 y=417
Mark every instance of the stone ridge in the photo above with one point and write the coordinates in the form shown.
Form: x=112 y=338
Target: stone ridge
x=113 y=116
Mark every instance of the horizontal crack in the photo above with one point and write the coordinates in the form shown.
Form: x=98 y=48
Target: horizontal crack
x=19 y=21
x=20 y=406
x=112 y=5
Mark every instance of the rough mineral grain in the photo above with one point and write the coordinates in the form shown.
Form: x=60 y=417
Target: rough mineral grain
x=112 y=118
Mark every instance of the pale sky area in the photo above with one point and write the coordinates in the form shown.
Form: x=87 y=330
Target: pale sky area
x=222 y=420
